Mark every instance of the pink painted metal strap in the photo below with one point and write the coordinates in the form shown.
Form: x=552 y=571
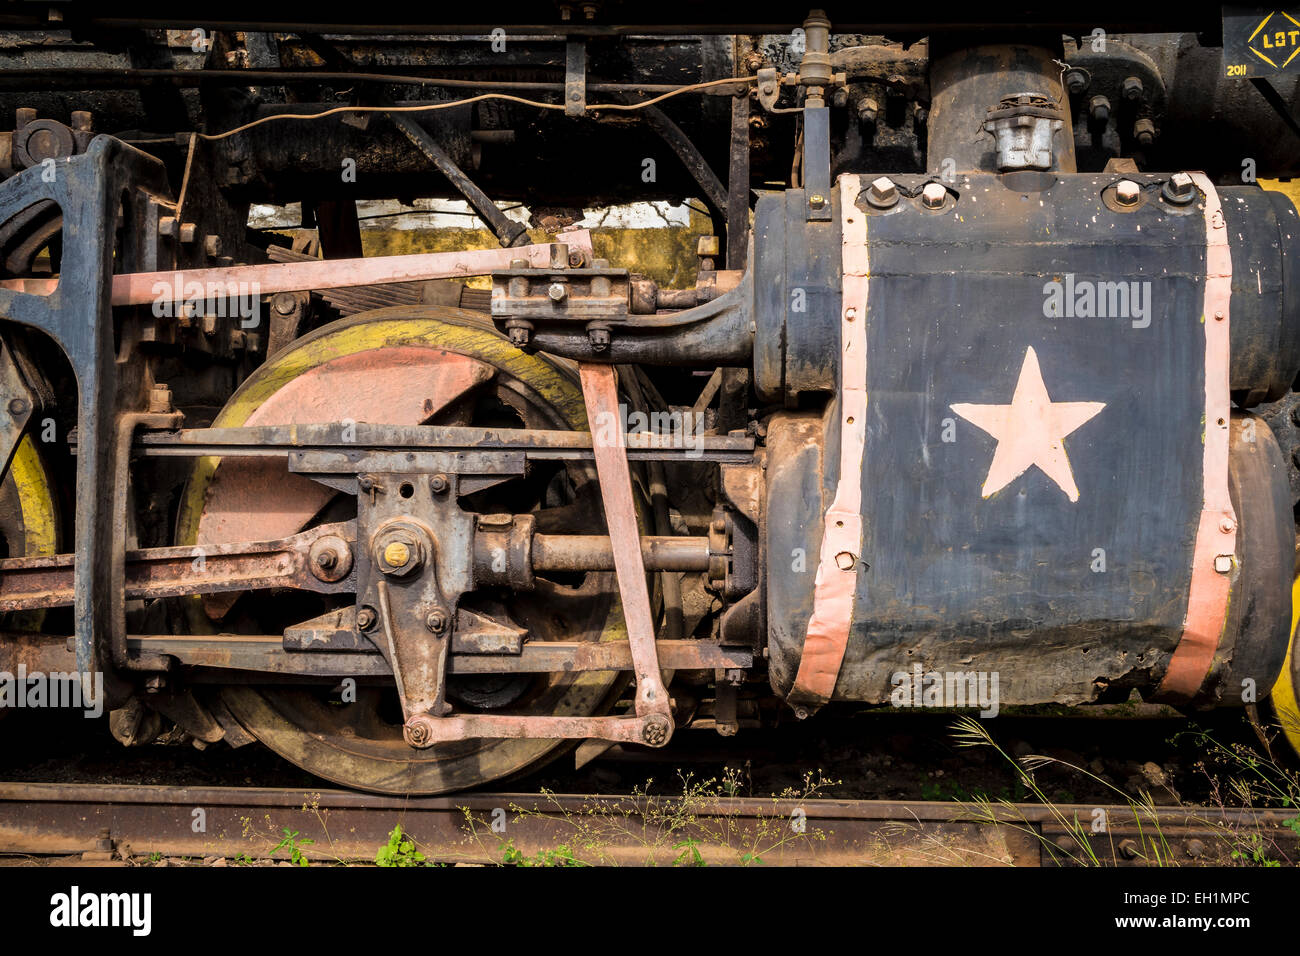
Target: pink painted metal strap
x=600 y=390
x=837 y=575
x=1216 y=534
x=144 y=288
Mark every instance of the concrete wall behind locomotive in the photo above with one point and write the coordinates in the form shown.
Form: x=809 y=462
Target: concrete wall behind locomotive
x=1033 y=475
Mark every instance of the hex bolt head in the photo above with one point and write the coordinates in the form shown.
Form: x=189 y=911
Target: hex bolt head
x=366 y=618
x=212 y=245
x=1076 y=81
x=1127 y=192
x=599 y=339
x=1180 y=190
x=816 y=201
x=1132 y=88
x=167 y=226
x=557 y=291
x=284 y=303
x=18 y=406
x=160 y=399
x=1144 y=131
x=575 y=258
x=518 y=336
x=868 y=112
x=707 y=247
x=82 y=120
x=436 y=621
x=1099 y=109
x=397 y=553
x=933 y=196
x=882 y=193
x=188 y=232
x=439 y=484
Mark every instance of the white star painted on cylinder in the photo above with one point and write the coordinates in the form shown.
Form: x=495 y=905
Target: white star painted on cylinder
x=1030 y=431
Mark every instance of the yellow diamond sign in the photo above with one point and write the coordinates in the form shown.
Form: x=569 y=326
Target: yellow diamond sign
x=1276 y=40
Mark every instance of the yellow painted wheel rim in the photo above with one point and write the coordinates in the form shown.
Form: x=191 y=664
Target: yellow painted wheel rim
x=1283 y=696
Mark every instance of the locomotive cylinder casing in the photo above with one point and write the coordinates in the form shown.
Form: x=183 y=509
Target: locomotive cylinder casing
x=1034 y=308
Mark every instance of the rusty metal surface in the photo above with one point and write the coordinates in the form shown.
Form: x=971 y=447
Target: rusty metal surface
x=536 y=443
x=265 y=653
x=47 y=581
x=68 y=818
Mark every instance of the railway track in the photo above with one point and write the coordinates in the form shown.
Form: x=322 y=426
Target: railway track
x=145 y=824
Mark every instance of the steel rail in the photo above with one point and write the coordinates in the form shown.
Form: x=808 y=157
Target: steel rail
x=346 y=826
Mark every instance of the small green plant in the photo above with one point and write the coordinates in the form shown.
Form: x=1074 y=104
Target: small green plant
x=399 y=851
x=562 y=855
x=291 y=842
x=243 y=860
x=155 y=857
x=690 y=853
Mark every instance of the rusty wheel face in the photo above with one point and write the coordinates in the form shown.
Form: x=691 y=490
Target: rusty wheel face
x=406 y=366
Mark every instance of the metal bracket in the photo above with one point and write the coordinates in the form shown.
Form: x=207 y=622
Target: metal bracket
x=817 y=163
x=575 y=77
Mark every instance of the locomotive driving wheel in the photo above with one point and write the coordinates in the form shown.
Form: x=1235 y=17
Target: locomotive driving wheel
x=398 y=366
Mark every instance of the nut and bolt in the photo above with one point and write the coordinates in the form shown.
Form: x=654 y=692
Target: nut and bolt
x=284 y=303
x=519 y=336
x=816 y=201
x=436 y=621
x=1127 y=192
x=1132 y=88
x=82 y=120
x=439 y=484
x=883 y=193
x=868 y=112
x=1076 y=81
x=1128 y=848
x=1180 y=190
x=1099 y=110
x=366 y=618
x=599 y=339
x=212 y=245
x=418 y=730
x=575 y=258
x=167 y=226
x=188 y=232
x=933 y=196
x=160 y=399
x=557 y=291
x=398 y=553
x=327 y=559
x=18 y=406
x=656 y=730
x=1144 y=131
